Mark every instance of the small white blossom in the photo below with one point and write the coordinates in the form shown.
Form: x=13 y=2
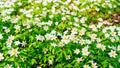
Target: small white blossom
x=40 y=37
x=94 y=65
x=17 y=42
x=17 y=27
x=11 y=37
x=1 y=36
x=118 y=48
x=14 y=52
x=65 y=39
x=48 y=36
x=9 y=43
x=7 y=30
x=113 y=33
x=77 y=51
x=112 y=54
x=83 y=19
x=67 y=57
x=24 y=43
x=79 y=59
x=50 y=62
x=74 y=31
x=53 y=44
x=1 y=56
x=86 y=66
x=82 y=31
x=8 y=66
x=85 y=51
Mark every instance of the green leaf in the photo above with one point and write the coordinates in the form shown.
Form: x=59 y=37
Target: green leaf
x=58 y=66
x=68 y=66
x=33 y=61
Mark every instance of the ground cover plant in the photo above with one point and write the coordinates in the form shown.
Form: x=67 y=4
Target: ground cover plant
x=59 y=33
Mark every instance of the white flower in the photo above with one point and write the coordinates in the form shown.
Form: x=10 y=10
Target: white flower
x=107 y=35
x=45 y=28
x=119 y=32
x=112 y=39
x=53 y=44
x=86 y=66
x=102 y=47
x=1 y=56
x=56 y=23
x=98 y=40
x=17 y=42
x=50 y=62
x=9 y=42
x=79 y=59
x=100 y=19
x=82 y=31
x=40 y=37
x=29 y=15
x=75 y=40
x=71 y=37
x=51 y=16
x=65 y=39
x=11 y=37
x=114 y=48
x=49 y=23
x=74 y=31
x=77 y=51
x=93 y=27
x=17 y=27
x=99 y=25
x=85 y=51
x=45 y=50
x=93 y=36
x=88 y=41
x=8 y=66
x=98 y=45
x=53 y=37
x=119 y=60
x=83 y=19
x=73 y=13
x=81 y=41
x=63 y=18
x=110 y=66
x=112 y=54
x=65 y=32
x=61 y=44
x=1 y=36
x=76 y=24
x=94 y=65
x=38 y=66
x=113 y=33
x=23 y=43
x=67 y=57
x=76 y=19
x=14 y=52
x=7 y=30
x=18 y=66
x=48 y=36
x=97 y=9
x=112 y=28
x=4 y=27
x=19 y=3
x=118 y=48
x=104 y=30
x=106 y=22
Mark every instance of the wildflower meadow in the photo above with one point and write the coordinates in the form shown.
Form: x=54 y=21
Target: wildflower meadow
x=59 y=33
